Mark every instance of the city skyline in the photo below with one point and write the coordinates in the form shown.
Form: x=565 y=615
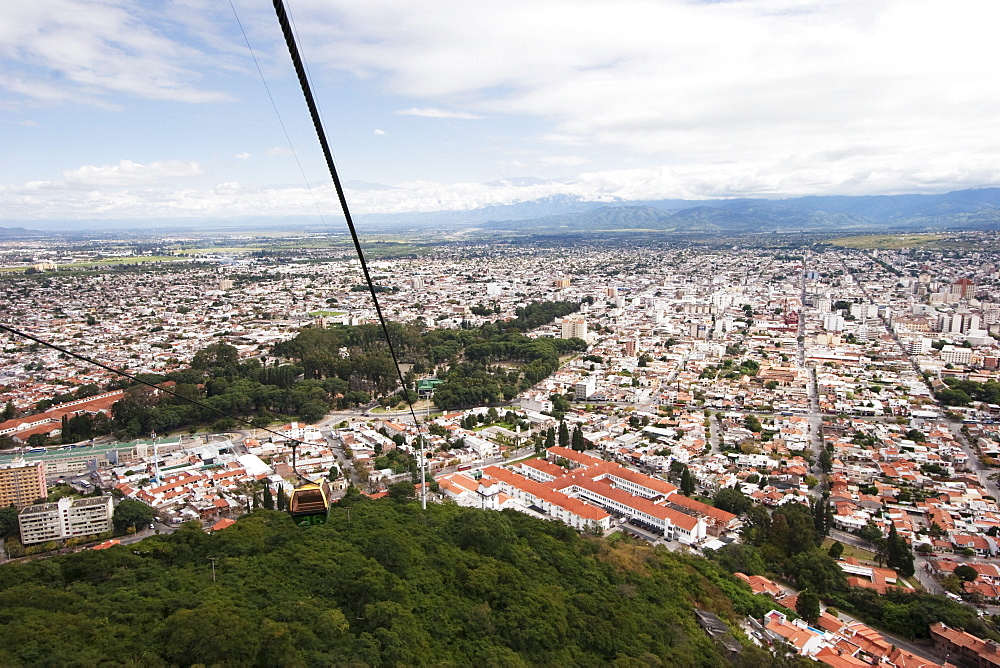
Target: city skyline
x=116 y=110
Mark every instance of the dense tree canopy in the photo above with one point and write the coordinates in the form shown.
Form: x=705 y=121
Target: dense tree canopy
x=961 y=392
x=807 y=606
x=386 y=585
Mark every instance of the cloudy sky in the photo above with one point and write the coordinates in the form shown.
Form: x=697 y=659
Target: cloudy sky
x=138 y=108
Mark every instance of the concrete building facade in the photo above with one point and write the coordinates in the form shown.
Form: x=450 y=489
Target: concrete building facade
x=22 y=482
x=66 y=518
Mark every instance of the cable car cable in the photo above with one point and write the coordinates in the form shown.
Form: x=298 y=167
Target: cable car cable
x=300 y=71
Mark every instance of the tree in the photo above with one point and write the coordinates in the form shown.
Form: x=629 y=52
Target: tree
x=836 y=550
x=9 y=412
x=282 y=502
x=807 y=605
x=756 y=525
x=898 y=553
x=952 y=397
x=402 y=491
x=8 y=522
x=792 y=529
x=816 y=571
x=578 y=443
x=752 y=423
x=870 y=532
x=131 y=513
x=313 y=411
x=186 y=640
x=825 y=460
x=563 y=435
x=737 y=558
x=687 y=482
x=333 y=474
x=822 y=516
x=217 y=356
x=732 y=500
x=268 y=500
x=550 y=438
x=965 y=572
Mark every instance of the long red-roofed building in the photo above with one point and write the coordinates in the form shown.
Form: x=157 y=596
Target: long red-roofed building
x=560 y=506
x=672 y=524
x=585 y=492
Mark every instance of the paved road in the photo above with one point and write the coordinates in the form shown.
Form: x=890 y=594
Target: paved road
x=981 y=471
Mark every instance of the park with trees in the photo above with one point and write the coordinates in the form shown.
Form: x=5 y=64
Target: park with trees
x=339 y=367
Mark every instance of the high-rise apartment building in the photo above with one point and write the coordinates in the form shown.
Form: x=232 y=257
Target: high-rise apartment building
x=963 y=288
x=22 y=483
x=574 y=328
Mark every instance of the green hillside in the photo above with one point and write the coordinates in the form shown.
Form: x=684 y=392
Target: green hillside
x=389 y=585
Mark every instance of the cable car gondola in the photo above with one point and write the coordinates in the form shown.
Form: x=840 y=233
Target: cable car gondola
x=308 y=504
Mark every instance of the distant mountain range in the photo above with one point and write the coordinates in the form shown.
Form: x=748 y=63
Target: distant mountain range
x=977 y=209
x=964 y=209
x=17 y=233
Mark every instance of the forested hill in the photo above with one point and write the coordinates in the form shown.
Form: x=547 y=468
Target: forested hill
x=388 y=584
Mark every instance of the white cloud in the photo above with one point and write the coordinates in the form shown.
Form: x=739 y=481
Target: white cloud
x=242 y=156
x=29 y=123
x=902 y=85
x=428 y=112
x=564 y=160
x=87 y=50
x=379 y=132
x=279 y=150
x=129 y=173
x=228 y=188
x=127 y=190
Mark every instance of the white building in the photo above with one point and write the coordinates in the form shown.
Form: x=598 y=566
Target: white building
x=956 y=355
x=66 y=518
x=584 y=388
x=833 y=322
x=574 y=327
x=920 y=346
x=959 y=322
